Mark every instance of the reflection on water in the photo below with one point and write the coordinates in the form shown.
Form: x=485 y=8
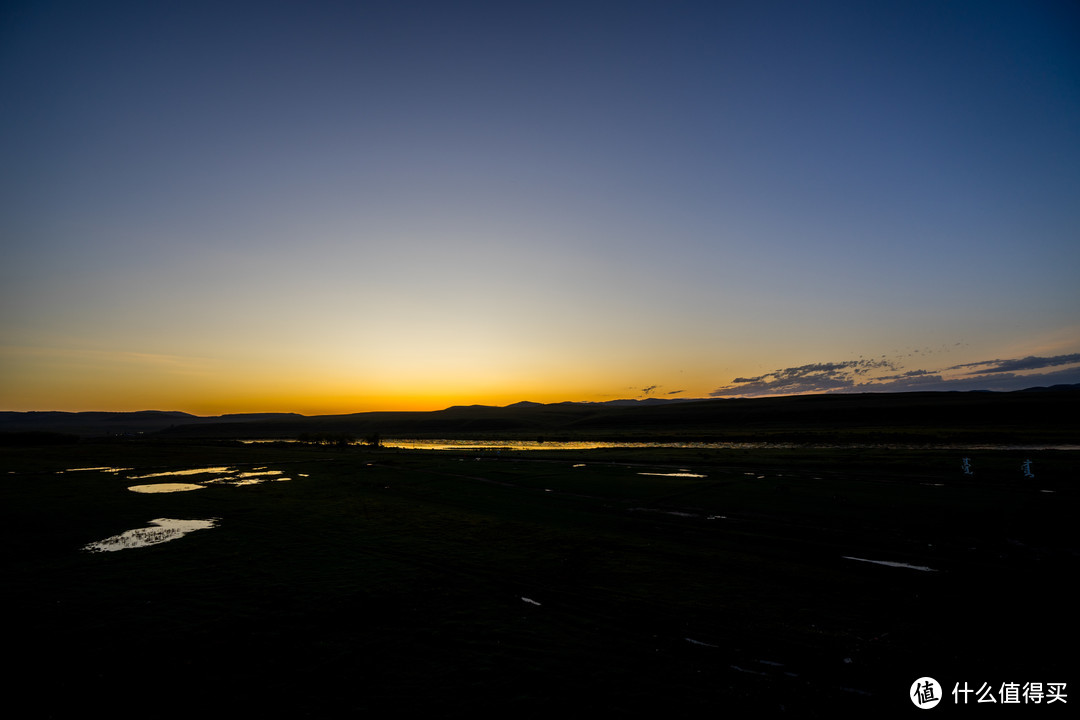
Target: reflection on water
x=165 y=487
x=251 y=478
x=676 y=513
x=414 y=444
x=406 y=444
x=166 y=529
x=225 y=476
x=160 y=530
x=692 y=641
x=176 y=473
x=675 y=474
x=892 y=564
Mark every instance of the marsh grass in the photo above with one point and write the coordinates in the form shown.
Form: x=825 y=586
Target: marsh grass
x=386 y=582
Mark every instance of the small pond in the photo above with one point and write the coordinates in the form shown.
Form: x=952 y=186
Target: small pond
x=159 y=531
x=219 y=475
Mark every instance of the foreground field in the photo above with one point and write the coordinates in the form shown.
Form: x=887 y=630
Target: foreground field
x=393 y=583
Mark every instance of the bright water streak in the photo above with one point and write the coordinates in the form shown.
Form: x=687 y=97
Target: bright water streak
x=891 y=564
x=406 y=444
x=193 y=471
x=675 y=474
x=435 y=444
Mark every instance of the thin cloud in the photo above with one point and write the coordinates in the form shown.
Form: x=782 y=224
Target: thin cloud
x=1031 y=362
x=815 y=377
x=180 y=364
x=865 y=376
x=998 y=382
x=909 y=375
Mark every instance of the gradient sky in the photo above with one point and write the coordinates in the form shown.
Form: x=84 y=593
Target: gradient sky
x=330 y=207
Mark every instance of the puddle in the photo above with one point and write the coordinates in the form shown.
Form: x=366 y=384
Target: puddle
x=674 y=474
x=98 y=469
x=165 y=487
x=225 y=475
x=676 y=513
x=179 y=473
x=250 y=478
x=160 y=531
x=692 y=641
x=892 y=564
x=525 y=445
x=744 y=670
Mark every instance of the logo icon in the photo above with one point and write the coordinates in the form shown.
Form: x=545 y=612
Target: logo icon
x=925 y=693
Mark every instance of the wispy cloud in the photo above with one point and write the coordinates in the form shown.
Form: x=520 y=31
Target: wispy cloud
x=815 y=377
x=883 y=376
x=87 y=357
x=1030 y=362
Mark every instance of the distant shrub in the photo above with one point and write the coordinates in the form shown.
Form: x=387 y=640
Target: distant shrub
x=339 y=439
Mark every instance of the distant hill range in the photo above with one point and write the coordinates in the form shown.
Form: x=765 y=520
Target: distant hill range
x=90 y=424
x=1046 y=415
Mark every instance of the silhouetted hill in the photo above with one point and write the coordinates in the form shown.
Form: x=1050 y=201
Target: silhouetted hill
x=931 y=417
x=1045 y=415
x=118 y=423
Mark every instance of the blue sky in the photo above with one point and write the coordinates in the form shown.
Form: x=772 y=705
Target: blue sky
x=221 y=207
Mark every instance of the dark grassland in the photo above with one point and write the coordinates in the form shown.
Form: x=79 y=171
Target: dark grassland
x=391 y=583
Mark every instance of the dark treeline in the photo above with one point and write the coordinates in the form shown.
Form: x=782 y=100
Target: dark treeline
x=338 y=439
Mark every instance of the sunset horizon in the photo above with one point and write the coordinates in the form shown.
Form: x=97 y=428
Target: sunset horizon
x=814 y=379
x=437 y=358
x=330 y=208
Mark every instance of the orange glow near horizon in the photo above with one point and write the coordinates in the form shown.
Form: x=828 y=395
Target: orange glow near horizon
x=48 y=380
x=384 y=219
x=42 y=379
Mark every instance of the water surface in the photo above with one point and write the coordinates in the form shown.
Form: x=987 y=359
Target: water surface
x=889 y=563
x=165 y=487
x=222 y=475
x=444 y=444
x=159 y=531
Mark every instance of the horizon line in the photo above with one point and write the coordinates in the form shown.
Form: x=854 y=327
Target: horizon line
x=681 y=400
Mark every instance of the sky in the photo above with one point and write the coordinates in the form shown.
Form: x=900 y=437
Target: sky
x=331 y=207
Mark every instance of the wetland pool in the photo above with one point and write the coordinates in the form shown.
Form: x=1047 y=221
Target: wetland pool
x=158 y=531
x=526 y=445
